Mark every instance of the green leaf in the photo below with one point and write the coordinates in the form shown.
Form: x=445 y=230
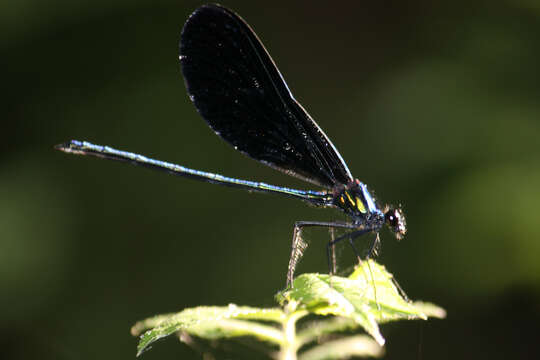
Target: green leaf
x=431 y=310
x=316 y=329
x=368 y=296
x=211 y=322
x=344 y=348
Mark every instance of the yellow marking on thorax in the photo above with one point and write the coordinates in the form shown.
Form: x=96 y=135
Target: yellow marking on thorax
x=360 y=205
x=350 y=199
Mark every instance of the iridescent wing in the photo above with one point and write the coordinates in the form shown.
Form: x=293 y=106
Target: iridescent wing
x=238 y=90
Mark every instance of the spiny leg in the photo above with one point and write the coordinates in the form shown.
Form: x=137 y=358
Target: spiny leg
x=374 y=249
x=297 y=251
x=299 y=245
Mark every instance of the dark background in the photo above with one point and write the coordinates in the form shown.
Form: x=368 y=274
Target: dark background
x=435 y=106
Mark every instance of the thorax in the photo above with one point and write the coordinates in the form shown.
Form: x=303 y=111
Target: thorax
x=355 y=200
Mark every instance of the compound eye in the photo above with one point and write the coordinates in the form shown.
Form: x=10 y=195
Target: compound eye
x=391 y=217
x=395 y=217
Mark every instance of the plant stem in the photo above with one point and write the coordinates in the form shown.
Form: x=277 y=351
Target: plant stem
x=290 y=345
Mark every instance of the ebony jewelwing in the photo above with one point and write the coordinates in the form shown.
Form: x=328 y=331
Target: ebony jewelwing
x=237 y=88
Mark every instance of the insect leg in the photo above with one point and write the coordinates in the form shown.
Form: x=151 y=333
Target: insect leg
x=373 y=251
x=299 y=245
x=333 y=249
x=351 y=236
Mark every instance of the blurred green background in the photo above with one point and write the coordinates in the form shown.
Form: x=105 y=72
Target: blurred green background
x=434 y=105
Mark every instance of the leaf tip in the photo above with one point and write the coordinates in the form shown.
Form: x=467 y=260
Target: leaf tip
x=430 y=310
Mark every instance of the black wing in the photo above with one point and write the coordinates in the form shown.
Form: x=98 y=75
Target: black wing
x=239 y=91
